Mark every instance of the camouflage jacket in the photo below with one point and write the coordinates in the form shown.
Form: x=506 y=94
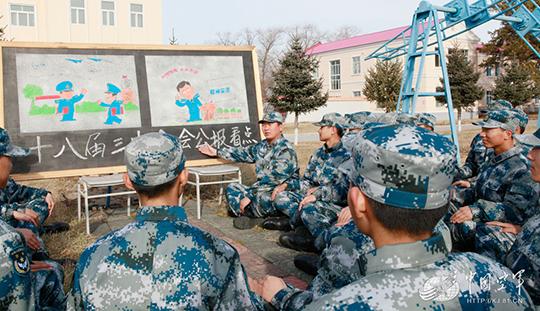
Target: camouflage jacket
x=160 y=262
x=15 y=197
x=504 y=190
x=475 y=158
x=274 y=163
x=525 y=255
x=15 y=277
x=349 y=140
x=424 y=276
x=342 y=262
x=322 y=172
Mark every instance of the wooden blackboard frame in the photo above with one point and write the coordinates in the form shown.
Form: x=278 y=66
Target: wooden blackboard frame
x=76 y=46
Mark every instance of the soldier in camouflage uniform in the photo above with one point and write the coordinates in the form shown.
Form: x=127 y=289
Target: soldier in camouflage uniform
x=26 y=284
x=503 y=190
x=159 y=261
x=400 y=190
x=275 y=163
x=354 y=123
x=426 y=120
x=477 y=152
x=519 y=252
x=315 y=200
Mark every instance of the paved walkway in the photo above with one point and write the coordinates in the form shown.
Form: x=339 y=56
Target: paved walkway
x=258 y=248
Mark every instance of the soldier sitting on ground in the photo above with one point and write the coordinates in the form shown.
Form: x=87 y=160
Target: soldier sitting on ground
x=159 y=261
x=524 y=242
x=503 y=190
x=426 y=120
x=315 y=200
x=400 y=190
x=353 y=125
x=275 y=163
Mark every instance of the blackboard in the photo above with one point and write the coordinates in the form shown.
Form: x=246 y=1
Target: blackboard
x=202 y=94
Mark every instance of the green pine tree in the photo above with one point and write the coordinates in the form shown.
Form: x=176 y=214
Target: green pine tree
x=2 y=31
x=515 y=85
x=463 y=81
x=295 y=88
x=383 y=83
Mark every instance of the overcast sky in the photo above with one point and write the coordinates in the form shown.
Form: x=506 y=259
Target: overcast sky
x=197 y=22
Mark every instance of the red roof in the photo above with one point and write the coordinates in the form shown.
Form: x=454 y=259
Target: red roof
x=381 y=36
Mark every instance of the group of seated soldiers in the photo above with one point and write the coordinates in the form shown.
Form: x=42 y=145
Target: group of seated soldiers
x=390 y=219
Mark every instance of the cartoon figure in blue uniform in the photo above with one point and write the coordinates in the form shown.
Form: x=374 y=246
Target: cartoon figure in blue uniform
x=68 y=99
x=114 y=105
x=187 y=97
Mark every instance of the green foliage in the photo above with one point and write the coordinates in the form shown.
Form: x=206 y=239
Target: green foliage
x=383 y=83
x=219 y=110
x=41 y=110
x=515 y=85
x=295 y=89
x=131 y=107
x=88 y=106
x=463 y=81
x=30 y=91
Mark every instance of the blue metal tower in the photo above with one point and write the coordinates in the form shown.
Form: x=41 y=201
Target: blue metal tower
x=432 y=25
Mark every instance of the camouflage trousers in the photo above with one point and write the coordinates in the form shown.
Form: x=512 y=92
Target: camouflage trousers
x=319 y=216
x=492 y=242
x=287 y=202
x=261 y=201
x=462 y=232
x=48 y=288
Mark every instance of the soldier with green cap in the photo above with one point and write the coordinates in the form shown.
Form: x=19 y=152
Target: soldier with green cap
x=159 y=261
x=400 y=190
x=477 y=152
x=315 y=200
x=275 y=164
x=27 y=284
x=518 y=246
x=503 y=190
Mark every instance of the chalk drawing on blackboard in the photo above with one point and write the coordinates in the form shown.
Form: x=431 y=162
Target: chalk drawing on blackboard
x=205 y=90
x=60 y=92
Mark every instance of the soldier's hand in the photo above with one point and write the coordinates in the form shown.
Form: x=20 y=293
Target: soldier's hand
x=462 y=215
x=308 y=199
x=26 y=217
x=271 y=286
x=311 y=190
x=30 y=238
x=208 y=150
x=39 y=265
x=243 y=203
x=255 y=286
x=462 y=184
x=506 y=227
x=50 y=202
x=344 y=217
x=277 y=190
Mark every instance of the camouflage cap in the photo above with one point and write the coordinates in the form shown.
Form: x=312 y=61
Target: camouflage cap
x=404 y=166
x=500 y=104
x=387 y=118
x=272 y=117
x=8 y=149
x=522 y=117
x=357 y=119
x=402 y=117
x=331 y=119
x=426 y=119
x=504 y=119
x=154 y=159
x=532 y=140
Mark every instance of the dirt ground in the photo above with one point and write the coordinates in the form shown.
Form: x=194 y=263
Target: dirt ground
x=70 y=244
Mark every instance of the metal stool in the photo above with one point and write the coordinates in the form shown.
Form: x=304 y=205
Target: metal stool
x=88 y=182
x=215 y=170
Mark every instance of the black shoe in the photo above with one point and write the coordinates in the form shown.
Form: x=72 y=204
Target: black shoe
x=56 y=227
x=244 y=222
x=277 y=223
x=302 y=243
x=308 y=263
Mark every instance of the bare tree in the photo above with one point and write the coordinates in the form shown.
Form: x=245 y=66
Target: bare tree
x=344 y=32
x=308 y=34
x=227 y=38
x=267 y=50
x=248 y=36
x=173 y=40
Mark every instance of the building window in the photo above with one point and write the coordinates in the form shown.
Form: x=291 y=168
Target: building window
x=136 y=15
x=356 y=93
x=488 y=72
x=437 y=58
x=489 y=97
x=335 y=75
x=107 y=12
x=77 y=11
x=497 y=70
x=356 y=65
x=22 y=15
